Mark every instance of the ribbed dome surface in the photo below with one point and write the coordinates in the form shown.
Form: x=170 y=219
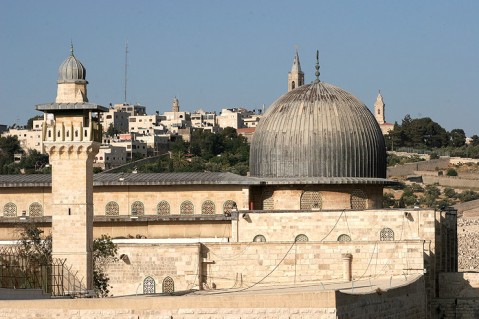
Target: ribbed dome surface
x=71 y=70
x=318 y=130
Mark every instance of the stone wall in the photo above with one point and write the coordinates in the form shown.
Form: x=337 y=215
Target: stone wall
x=459 y=285
x=409 y=168
x=401 y=302
x=239 y=265
x=397 y=303
x=451 y=181
x=455 y=308
x=180 y=262
x=329 y=225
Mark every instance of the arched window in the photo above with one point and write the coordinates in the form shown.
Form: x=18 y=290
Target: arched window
x=137 y=208
x=187 y=208
x=386 y=234
x=359 y=200
x=35 y=210
x=344 y=237
x=229 y=206
x=49 y=133
x=293 y=85
x=301 y=237
x=10 y=210
x=311 y=200
x=208 y=207
x=259 y=239
x=149 y=286
x=168 y=285
x=112 y=209
x=163 y=208
x=76 y=133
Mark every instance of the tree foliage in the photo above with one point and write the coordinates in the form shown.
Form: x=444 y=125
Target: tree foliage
x=418 y=133
x=104 y=252
x=222 y=152
x=37 y=248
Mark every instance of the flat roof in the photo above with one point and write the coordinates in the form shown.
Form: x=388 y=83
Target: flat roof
x=188 y=178
x=70 y=106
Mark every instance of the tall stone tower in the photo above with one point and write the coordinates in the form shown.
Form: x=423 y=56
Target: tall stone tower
x=175 y=107
x=295 y=76
x=379 y=109
x=71 y=135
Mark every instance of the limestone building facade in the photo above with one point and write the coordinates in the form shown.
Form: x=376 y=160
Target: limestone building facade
x=311 y=206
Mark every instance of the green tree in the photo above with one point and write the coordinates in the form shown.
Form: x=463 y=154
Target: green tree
x=449 y=192
x=34 y=162
x=451 y=172
x=111 y=131
x=467 y=196
x=104 y=253
x=474 y=140
x=388 y=200
x=34 y=245
x=458 y=137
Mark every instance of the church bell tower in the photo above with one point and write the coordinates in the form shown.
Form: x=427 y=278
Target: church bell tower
x=379 y=107
x=71 y=136
x=295 y=76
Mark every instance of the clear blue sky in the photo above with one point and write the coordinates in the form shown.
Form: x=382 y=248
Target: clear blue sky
x=422 y=55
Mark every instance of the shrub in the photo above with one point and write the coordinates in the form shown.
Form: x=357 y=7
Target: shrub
x=451 y=172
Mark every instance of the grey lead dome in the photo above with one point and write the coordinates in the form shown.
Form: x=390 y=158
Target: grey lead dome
x=318 y=130
x=71 y=70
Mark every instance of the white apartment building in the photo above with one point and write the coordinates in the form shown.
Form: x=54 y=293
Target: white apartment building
x=230 y=118
x=110 y=156
x=130 y=143
x=117 y=118
x=29 y=139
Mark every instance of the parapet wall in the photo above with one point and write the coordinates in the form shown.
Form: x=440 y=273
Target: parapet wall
x=409 y=168
x=401 y=302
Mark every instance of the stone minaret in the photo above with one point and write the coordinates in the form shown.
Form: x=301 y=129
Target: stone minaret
x=72 y=137
x=71 y=81
x=379 y=109
x=175 y=107
x=296 y=76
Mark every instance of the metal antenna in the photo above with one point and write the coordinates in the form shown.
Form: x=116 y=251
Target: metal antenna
x=126 y=68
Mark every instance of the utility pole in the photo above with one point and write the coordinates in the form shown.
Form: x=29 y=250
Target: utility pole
x=126 y=68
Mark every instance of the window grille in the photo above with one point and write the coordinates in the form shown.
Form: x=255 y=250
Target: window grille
x=344 y=237
x=386 y=234
x=311 y=200
x=301 y=237
x=187 y=208
x=149 y=286
x=229 y=206
x=259 y=239
x=208 y=207
x=163 y=208
x=168 y=285
x=35 y=210
x=112 y=209
x=268 y=201
x=359 y=200
x=137 y=208
x=10 y=210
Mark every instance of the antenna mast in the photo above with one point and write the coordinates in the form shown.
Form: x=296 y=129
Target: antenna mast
x=126 y=67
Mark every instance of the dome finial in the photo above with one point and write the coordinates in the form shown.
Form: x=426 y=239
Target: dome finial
x=71 y=47
x=317 y=66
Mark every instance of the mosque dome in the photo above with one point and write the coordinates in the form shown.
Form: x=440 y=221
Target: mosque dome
x=71 y=70
x=318 y=130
